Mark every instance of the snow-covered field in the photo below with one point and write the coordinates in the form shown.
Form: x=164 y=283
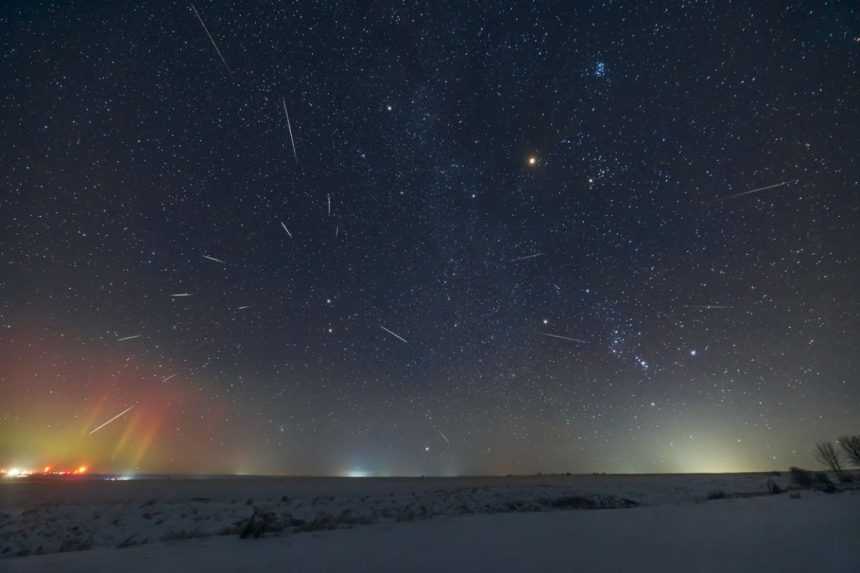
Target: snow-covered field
x=537 y=523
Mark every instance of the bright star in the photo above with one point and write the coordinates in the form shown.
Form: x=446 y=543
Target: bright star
x=532 y=160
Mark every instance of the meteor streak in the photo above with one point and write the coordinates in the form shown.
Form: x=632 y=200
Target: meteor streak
x=214 y=259
x=290 y=130
x=525 y=258
x=444 y=437
x=579 y=340
x=394 y=334
x=287 y=230
x=132 y=337
x=211 y=39
x=115 y=418
x=760 y=189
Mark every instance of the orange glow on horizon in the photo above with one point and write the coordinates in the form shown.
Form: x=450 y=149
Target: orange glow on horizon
x=57 y=432
x=19 y=472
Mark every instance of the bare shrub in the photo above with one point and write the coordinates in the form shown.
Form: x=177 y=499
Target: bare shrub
x=260 y=523
x=827 y=455
x=851 y=446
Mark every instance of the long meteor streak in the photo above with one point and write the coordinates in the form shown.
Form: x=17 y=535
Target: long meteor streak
x=568 y=338
x=290 y=130
x=211 y=39
x=394 y=334
x=525 y=258
x=444 y=437
x=287 y=230
x=132 y=337
x=760 y=189
x=114 y=419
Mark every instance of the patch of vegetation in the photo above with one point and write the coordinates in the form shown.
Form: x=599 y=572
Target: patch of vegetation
x=322 y=522
x=828 y=455
x=773 y=488
x=75 y=543
x=260 y=523
x=571 y=502
x=851 y=447
x=824 y=483
x=183 y=534
x=801 y=477
x=127 y=542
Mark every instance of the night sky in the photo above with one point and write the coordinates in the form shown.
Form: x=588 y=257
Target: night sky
x=502 y=238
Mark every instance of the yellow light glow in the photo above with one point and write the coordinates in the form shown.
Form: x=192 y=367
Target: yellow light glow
x=532 y=160
x=17 y=473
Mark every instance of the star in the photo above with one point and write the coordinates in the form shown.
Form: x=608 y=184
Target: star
x=532 y=160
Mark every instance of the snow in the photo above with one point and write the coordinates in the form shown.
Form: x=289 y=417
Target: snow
x=515 y=524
